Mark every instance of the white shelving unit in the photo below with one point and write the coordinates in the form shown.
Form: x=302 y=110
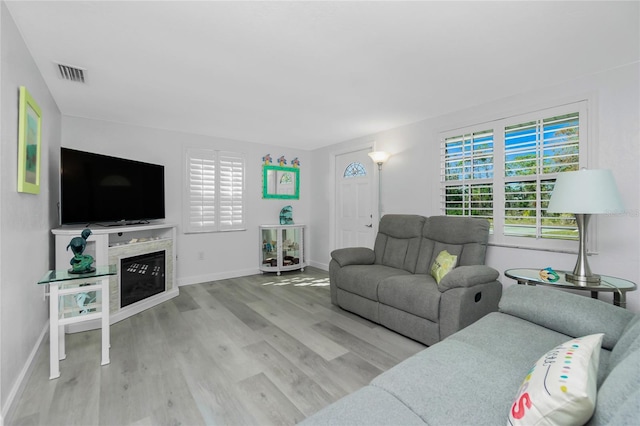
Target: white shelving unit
x=282 y=248
x=108 y=246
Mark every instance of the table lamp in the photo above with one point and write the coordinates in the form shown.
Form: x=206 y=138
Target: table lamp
x=583 y=193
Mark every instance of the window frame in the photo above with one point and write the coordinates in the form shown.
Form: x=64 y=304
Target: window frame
x=223 y=189
x=497 y=236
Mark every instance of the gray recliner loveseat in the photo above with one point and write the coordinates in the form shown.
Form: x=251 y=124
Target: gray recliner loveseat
x=392 y=284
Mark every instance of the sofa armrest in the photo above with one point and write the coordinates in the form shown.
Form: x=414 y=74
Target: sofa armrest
x=353 y=256
x=567 y=313
x=468 y=276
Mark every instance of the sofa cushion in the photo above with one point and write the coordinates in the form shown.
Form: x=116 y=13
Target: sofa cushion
x=618 y=401
x=561 y=386
x=363 y=280
x=478 y=367
x=547 y=307
x=417 y=294
x=628 y=343
x=376 y=407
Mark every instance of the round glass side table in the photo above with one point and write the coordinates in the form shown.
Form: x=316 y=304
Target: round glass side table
x=618 y=286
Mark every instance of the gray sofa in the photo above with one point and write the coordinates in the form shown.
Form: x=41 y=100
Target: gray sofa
x=473 y=376
x=392 y=285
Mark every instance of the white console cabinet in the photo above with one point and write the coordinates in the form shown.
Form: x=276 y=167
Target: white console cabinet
x=110 y=246
x=282 y=248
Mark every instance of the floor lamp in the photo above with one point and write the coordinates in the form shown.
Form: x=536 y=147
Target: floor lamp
x=379 y=157
x=584 y=193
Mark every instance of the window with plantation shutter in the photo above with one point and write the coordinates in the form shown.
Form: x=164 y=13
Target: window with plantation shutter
x=535 y=151
x=468 y=174
x=214 y=191
x=505 y=171
x=231 y=191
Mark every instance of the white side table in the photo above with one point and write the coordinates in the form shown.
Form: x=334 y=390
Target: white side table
x=75 y=298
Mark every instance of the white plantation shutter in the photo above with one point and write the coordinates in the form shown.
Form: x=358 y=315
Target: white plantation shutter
x=535 y=151
x=231 y=186
x=505 y=170
x=214 y=191
x=467 y=174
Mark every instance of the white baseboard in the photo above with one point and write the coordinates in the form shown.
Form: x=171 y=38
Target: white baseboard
x=323 y=266
x=25 y=373
x=199 y=279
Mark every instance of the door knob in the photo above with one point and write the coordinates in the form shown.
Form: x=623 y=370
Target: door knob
x=369 y=225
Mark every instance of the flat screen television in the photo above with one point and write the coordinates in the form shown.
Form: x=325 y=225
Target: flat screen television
x=104 y=190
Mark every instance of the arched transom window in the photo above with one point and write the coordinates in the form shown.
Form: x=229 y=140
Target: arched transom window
x=355 y=169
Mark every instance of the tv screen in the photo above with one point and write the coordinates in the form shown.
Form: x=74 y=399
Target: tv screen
x=99 y=189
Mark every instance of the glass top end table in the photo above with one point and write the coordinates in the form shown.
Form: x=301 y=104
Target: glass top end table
x=618 y=286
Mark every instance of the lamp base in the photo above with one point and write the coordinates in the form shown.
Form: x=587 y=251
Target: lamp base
x=582 y=280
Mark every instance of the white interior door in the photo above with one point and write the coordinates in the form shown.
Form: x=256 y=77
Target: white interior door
x=354 y=200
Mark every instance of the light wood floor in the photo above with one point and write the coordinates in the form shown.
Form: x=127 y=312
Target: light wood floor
x=259 y=350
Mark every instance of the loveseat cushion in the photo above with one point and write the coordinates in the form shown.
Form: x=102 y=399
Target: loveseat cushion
x=364 y=280
x=417 y=294
x=398 y=241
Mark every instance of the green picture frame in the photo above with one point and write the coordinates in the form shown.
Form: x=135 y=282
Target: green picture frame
x=29 y=140
x=281 y=182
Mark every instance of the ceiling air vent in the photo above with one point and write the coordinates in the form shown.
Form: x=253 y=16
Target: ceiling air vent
x=71 y=73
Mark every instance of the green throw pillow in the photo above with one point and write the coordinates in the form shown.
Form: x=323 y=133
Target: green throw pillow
x=442 y=265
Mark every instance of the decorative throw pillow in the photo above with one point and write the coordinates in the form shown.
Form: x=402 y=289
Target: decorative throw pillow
x=444 y=263
x=560 y=389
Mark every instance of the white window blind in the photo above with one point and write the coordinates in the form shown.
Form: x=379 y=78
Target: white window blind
x=467 y=161
x=505 y=170
x=215 y=191
x=231 y=191
x=535 y=151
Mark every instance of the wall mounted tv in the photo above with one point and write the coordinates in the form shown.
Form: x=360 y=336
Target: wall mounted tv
x=104 y=190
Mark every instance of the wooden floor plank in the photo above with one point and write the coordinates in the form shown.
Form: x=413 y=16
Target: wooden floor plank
x=263 y=349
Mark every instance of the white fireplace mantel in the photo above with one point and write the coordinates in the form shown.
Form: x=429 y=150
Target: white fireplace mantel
x=109 y=245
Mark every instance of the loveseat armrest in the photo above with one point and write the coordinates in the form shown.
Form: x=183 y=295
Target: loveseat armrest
x=567 y=313
x=468 y=276
x=354 y=256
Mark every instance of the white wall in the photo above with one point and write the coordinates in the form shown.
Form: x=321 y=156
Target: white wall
x=411 y=177
x=26 y=244
x=226 y=254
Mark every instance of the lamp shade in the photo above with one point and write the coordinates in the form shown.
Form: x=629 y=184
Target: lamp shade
x=379 y=156
x=585 y=192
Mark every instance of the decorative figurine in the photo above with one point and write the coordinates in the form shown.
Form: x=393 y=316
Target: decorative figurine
x=267 y=159
x=295 y=162
x=282 y=161
x=80 y=263
x=286 y=215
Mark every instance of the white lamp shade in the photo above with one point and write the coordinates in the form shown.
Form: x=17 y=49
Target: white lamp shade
x=379 y=156
x=586 y=192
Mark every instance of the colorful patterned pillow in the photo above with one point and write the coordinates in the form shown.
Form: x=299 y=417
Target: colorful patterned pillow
x=444 y=263
x=560 y=389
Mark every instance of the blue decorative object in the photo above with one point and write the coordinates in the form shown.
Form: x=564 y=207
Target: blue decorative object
x=286 y=215
x=80 y=263
x=548 y=274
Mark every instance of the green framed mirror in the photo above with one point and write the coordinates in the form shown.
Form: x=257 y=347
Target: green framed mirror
x=281 y=182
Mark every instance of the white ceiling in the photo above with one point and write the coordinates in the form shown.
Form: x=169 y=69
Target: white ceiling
x=310 y=74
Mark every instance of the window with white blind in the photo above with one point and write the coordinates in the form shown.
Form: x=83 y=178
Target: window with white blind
x=467 y=172
x=505 y=170
x=214 y=191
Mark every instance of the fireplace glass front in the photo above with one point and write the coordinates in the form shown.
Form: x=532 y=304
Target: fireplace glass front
x=141 y=276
